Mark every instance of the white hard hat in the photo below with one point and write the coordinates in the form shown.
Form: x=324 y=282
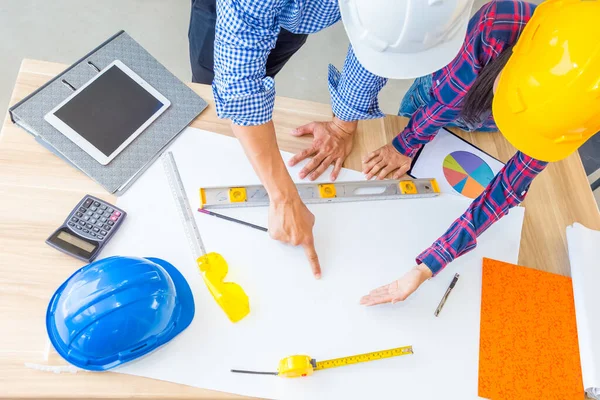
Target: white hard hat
x=404 y=39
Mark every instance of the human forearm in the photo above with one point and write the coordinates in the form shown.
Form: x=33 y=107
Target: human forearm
x=290 y=221
x=507 y=190
x=260 y=145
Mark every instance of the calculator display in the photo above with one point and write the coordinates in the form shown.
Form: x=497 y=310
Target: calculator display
x=75 y=241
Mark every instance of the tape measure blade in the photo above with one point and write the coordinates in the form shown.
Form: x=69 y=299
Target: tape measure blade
x=366 y=357
x=183 y=206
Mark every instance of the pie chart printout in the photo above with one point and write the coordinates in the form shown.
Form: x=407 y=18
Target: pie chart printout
x=468 y=174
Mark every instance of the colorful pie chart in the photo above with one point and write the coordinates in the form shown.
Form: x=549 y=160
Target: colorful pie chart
x=468 y=174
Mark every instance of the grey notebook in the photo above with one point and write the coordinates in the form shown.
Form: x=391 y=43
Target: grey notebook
x=120 y=173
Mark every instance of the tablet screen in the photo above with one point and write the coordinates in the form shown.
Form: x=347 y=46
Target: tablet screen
x=109 y=110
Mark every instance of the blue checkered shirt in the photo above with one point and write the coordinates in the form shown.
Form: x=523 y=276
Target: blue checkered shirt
x=246 y=32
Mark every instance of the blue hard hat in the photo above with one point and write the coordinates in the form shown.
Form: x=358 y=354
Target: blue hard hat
x=117 y=309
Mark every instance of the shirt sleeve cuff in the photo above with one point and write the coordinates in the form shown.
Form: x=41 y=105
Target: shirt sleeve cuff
x=400 y=144
x=341 y=107
x=435 y=258
x=247 y=109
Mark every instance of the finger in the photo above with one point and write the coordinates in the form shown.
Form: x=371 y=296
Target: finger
x=368 y=166
x=385 y=289
x=312 y=165
x=313 y=259
x=303 y=155
x=383 y=294
x=393 y=298
x=320 y=169
x=376 y=300
x=337 y=168
x=401 y=171
x=307 y=129
x=371 y=155
x=398 y=174
x=384 y=172
x=376 y=169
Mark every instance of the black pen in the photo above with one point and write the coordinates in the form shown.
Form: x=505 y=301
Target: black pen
x=225 y=217
x=443 y=301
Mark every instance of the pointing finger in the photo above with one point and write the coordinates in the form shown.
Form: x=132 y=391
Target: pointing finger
x=313 y=259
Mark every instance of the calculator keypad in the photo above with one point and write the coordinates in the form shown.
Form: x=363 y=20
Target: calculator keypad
x=95 y=219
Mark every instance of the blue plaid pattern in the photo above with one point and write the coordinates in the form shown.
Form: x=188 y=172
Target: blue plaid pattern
x=246 y=31
x=354 y=92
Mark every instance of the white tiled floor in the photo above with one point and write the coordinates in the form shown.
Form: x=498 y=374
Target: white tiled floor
x=65 y=30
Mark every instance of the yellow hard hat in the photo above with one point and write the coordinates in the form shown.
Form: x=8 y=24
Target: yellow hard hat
x=547 y=102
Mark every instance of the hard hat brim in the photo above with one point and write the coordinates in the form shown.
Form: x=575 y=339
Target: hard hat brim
x=522 y=137
x=522 y=133
x=404 y=65
x=184 y=295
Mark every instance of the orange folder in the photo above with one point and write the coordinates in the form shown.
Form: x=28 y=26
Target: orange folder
x=528 y=345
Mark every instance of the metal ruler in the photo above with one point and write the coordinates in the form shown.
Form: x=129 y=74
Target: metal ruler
x=311 y=193
x=360 y=358
x=183 y=205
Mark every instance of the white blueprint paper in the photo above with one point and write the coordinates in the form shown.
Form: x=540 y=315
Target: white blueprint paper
x=361 y=246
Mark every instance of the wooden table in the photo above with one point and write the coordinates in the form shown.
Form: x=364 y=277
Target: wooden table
x=37 y=190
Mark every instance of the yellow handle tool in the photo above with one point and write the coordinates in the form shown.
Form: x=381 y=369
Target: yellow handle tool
x=302 y=365
x=229 y=296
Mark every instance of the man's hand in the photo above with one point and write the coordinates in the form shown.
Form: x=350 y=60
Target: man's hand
x=331 y=145
x=400 y=289
x=289 y=219
x=385 y=160
x=291 y=222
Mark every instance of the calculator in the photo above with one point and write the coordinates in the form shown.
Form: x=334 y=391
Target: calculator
x=91 y=224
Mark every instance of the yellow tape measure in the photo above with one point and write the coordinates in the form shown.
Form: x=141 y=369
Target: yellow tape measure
x=301 y=365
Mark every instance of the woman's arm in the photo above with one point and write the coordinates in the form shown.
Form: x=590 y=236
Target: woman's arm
x=508 y=189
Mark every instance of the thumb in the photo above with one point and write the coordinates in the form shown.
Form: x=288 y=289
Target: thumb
x=307 y=129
